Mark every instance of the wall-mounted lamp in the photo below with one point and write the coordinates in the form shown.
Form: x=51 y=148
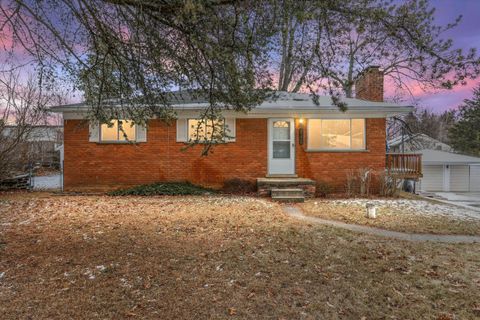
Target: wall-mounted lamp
x=301 y=131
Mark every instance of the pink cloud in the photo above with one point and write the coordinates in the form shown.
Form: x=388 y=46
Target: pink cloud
x=434 y=99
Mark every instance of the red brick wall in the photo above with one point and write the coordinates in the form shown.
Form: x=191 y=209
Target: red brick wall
x=332 y=167
x=90 y=165
x=94 y=166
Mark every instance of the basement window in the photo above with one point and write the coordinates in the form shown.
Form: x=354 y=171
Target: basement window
x=117 y=130
x=336 y=134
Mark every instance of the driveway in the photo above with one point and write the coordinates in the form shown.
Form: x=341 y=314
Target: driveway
x=47 y=182
x=470 y=200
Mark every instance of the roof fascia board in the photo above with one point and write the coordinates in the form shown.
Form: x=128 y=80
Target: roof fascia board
x=306 y=114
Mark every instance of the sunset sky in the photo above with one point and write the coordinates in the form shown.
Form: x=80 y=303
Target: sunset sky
x=466 y=35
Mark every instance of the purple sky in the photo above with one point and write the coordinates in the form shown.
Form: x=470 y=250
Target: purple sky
x=465 y=36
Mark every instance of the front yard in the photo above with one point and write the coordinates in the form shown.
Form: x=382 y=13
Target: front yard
x=216 y=257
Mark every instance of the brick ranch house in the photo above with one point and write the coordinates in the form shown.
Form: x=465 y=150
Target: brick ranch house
x=289 y=138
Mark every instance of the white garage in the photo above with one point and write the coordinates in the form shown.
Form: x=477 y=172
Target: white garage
x=432 y=178
x=447 y=171
x=475 y=177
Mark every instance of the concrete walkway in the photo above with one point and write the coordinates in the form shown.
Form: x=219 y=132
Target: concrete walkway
x=297 y=213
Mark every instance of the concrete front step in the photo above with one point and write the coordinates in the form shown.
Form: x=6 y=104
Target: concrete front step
x=287 y=192
x=284 y=182
x=265 y=186
x=288 y=198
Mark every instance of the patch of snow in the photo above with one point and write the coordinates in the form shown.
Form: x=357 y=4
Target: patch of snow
x=89 y=274
x=420 y=207
x=124 y=283
x=101 y=268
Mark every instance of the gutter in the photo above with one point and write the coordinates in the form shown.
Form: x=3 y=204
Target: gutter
x=328 y=110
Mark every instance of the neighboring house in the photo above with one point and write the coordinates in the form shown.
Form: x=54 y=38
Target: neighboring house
x=418 y=141
x=41 y=144
x=280 y=139
x=447 y=171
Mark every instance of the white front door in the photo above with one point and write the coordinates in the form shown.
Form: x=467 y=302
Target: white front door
x=281 y=146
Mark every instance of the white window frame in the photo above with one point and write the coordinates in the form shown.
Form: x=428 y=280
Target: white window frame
x=101 y=140
x=204 y=140
x=337 y=149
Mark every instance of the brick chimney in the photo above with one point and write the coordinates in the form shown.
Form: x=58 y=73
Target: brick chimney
x=369 y=84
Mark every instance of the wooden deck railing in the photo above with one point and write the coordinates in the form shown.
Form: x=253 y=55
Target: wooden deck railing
x=404 y=165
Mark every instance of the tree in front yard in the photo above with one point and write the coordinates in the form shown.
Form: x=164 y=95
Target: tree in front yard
x=465 y=134
x=329 y=44
x=132 y=54
x=227 y=50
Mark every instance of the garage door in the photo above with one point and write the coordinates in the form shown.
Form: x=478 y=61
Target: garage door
x=432 y=178
x=459 y=178
x=475 y=178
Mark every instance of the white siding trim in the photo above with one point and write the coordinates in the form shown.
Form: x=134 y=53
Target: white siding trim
x=140 y=133
x=446 y=177
x=182 y=130
x=230 y=125
x=93 y=131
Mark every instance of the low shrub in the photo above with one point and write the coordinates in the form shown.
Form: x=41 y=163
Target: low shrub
x=365 y=179
x=236 y=185
x=322 y=189
x=352 y=183
x=359 y=182
x=388 y=184
x=163 y=188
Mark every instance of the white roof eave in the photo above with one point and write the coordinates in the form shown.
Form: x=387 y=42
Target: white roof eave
x=437 y=157
x=385 y=111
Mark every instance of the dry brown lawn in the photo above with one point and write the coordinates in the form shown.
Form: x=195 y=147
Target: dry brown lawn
x=396 y=219
x=98 y=257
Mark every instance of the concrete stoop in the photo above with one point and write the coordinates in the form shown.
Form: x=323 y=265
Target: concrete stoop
x=286 y=189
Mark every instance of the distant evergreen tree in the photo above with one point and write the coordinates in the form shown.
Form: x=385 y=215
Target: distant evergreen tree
x=465 y=134
x=430 y=123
